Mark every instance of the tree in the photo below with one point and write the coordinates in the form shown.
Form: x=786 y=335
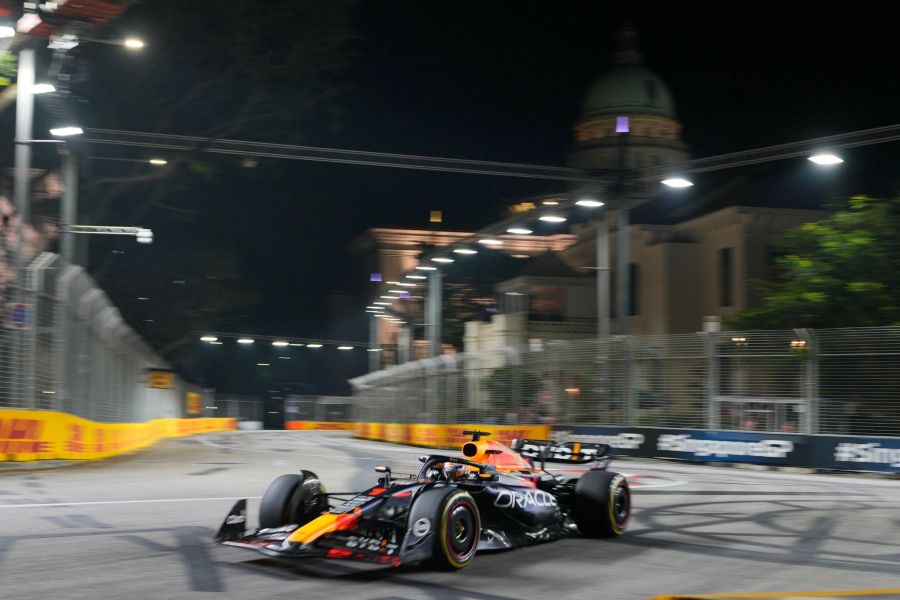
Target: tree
x=843 y=271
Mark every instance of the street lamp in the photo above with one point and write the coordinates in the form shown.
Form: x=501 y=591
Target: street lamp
x=826 y=159
x=676 y=182
x=43 y=88
x=66 y=131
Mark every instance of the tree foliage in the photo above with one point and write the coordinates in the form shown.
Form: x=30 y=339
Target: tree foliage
x=843 y=271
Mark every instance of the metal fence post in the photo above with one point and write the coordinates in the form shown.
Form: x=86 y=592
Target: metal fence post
x=811 y=381
x=631 y=407
x=711 y=384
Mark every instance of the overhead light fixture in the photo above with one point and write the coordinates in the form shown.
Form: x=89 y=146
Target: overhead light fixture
x=262 y=364
x=552 y=219
x=134 y=43
x=550 y=203
x=382 y=303
x=415 y=277
x=245 y=341
x=390 y=297
x=209 y=338
x=159 y=162
x=426 y=268
x=42 y=88
x=216 y=343
x=519 y=231
x=374 y=350
x=588 y=203
x=490 y=242
x=397 y=292
x=314 y=345
x=279 y=344
x=677 y=182
x=407 y=284
x=345 y=347
x=442 y=259
x=66 y=131
x=66 y=41
x=826 y=159
x=372 y=307
x=465 y=251
x=296 y=345
x=520 y=256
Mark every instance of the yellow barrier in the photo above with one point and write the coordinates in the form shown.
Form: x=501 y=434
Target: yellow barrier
x=27 y=435
x=444 y=436
x=318 y=425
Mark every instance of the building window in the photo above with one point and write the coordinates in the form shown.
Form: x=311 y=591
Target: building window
x=725 y=276
x=634 y=277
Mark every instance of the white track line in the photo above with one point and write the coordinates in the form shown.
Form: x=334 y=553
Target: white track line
x=124 y=502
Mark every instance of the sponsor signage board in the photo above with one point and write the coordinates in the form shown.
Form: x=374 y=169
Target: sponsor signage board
x=696 y=444
x=856 y=453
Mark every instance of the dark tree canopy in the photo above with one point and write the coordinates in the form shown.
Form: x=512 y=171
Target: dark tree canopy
x=843 y=271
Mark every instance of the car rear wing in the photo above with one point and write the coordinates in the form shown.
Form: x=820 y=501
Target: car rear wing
x=557 y=452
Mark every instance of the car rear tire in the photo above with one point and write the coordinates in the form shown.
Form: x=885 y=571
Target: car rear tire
x=458 y=531
x=292 y=500
x=602 y=504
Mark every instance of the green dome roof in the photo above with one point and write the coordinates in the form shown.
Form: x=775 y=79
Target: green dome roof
x=628 y=88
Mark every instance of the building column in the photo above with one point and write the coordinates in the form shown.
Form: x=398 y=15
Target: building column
x=433 y=314
x=623 y=291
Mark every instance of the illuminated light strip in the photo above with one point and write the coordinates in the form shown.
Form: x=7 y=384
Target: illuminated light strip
x=123 y=502
x=786 y=595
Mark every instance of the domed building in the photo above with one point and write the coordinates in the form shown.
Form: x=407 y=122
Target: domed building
x=628 y=115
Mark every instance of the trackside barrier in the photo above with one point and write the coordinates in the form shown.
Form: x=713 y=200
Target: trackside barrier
x=318 y=425
x=444 y=436
x=844 y=453
x=28 y=435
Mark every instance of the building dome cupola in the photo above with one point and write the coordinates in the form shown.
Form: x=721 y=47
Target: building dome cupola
x=628 y=98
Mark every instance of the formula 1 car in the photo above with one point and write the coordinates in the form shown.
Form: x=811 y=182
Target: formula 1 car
x=492 y=498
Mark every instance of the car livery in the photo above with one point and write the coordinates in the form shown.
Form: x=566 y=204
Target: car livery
x=493 y=497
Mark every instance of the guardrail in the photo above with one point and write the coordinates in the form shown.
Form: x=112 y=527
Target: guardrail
x=29 y=435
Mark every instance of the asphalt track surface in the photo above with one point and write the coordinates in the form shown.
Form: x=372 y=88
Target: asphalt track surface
x=141 y=526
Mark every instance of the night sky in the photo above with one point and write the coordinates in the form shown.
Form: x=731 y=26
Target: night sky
x=505 y=81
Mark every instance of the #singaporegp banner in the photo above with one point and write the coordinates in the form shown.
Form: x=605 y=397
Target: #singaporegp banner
x=44 y=435
x=826 y=452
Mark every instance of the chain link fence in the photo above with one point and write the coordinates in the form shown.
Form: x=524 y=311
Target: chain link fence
x=65 y=347
x=318 y=408
x=844 y=381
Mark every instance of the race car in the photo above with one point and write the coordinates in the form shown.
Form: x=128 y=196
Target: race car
x=494 y=497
